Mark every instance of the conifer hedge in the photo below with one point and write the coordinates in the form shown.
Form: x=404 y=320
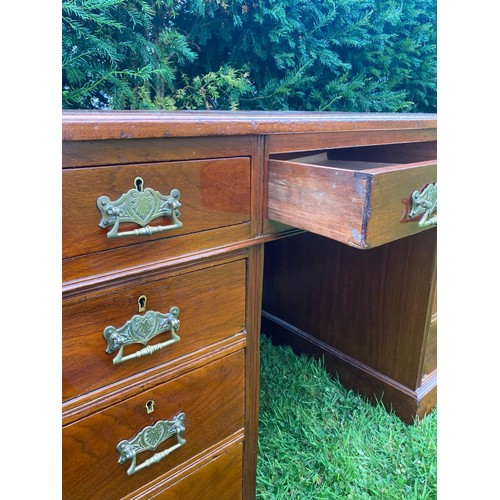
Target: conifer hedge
x=332 y=55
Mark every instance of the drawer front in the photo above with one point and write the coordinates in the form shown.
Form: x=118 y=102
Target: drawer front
x=219 y=479
x=212 y=400
x=390 y=202
x=358 y=202
x=115 y=206
x=211 y=303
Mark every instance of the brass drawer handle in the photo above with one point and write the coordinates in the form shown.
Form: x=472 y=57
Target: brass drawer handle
x=140 y=330
x=140 y=206
x=149 y=439
x=423 y=204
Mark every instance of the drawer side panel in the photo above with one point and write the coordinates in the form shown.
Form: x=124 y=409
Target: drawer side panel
x=325 y=201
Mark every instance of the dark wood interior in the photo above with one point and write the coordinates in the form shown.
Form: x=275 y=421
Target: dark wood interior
x=309 y=299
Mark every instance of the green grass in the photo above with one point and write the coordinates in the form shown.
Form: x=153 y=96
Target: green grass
x=319 y=441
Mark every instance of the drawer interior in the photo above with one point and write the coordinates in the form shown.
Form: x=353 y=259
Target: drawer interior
x=322 y=160
x=356 y=195
x=366 y=157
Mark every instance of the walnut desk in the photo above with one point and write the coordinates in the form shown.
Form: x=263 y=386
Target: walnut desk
x=181 y=230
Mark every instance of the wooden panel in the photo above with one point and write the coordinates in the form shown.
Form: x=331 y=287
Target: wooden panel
x=212 y=398
x=97 y=269
x=434 y=302
x=214 y=193
x=391 y=153
x=220 y=478
x=282 y=143
x=370 y=305
x=430 y=359
x=390 y=191
x=375 y=386
x=427 y=395
x=252 y=363
x=319 y=199
x=88 y=125
x=212 y=307
x=119 y=152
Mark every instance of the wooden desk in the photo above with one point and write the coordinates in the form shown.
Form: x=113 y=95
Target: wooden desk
x=172 y=223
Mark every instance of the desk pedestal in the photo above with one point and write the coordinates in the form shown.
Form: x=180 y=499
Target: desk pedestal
x=371 y=314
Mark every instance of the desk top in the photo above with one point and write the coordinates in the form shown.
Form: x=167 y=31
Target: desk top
x=84 y=125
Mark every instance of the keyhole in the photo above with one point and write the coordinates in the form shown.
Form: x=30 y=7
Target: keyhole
x=139 y=183
x=142 y=301
x=150 y=406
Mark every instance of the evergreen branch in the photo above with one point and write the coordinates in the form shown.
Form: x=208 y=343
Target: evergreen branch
x=368 y=55
x=85 y=10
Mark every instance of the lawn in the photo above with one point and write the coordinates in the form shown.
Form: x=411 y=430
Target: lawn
x=319 y=441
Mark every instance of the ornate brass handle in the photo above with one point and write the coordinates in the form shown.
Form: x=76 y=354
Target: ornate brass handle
x=149 y=439
x=140 y=330
x=424 y=203
x=140 y=206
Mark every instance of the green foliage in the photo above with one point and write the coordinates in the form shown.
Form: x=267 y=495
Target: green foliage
x=319 y=440
x=352 y=55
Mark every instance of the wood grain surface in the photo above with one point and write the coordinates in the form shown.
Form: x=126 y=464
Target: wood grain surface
x=355 y=202
x=370 y=305
x=95 y=125
x=212 y=398
x=212 y=307
x=214 y=193
x=370 y=310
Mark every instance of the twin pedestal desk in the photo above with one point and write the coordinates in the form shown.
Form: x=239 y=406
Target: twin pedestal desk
x=187 y=233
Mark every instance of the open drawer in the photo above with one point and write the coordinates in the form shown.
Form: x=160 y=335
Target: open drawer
x=362 y=196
